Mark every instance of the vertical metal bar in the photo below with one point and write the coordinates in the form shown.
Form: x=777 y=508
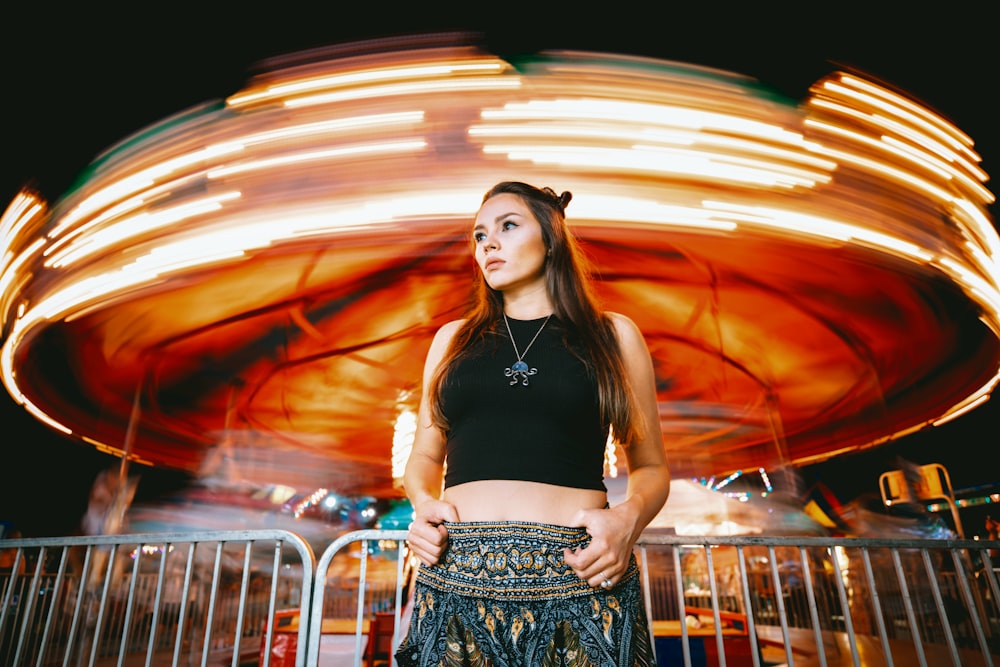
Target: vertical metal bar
x=846 y=606
x=747 y=605
x=81 y=593
x=185 y=597
x=904 y=591
x=713 y=588
x=102 y=608
x=647 y=599
x=158 y=605
x=779 y=601
x=8 y=595
x=877 y=606
x=269 y=617
x=154 y=622
x=942 y=613
x=241 y=609
x=315 y=607
x=362 y=584
x=807 y=580
x=679 y=589
x=397 y=630
x=127 y=621
x=307 y=592
x=212 y=600
x=53 y=610
x=28 y=603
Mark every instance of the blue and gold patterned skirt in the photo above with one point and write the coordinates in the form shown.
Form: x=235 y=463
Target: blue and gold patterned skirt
x=502 y=596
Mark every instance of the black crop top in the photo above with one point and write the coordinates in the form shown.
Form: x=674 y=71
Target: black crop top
x=549 y=431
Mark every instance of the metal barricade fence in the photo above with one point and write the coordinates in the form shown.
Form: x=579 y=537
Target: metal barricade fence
x=260 y=597
x=391 y=546
x=825 y=600
x=745 y=600
x=172 y=598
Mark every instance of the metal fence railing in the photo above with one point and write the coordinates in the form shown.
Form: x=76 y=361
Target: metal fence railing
x=828 y=601
x=191 y=598
x=260 y=597
x=752 y=600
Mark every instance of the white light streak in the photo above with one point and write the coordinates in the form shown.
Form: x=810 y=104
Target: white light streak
x=405 y=89
x=367 y=77
x=317 y=155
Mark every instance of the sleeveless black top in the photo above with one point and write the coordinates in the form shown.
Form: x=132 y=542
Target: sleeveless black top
x=548 y=431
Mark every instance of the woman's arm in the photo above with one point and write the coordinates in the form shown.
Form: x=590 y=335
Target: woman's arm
x=423 y=477
x=649 y=473
x=614 y=531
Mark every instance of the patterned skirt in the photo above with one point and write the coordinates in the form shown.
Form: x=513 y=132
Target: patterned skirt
x=502 y=596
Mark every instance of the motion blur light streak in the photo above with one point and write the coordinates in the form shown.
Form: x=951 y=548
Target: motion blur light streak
x=929 y=132
x=267 y=271
x=346 y=151
x=288 y=93
x=136 y=226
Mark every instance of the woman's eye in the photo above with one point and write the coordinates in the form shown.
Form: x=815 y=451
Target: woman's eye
x=478 y=237
x=508 y=224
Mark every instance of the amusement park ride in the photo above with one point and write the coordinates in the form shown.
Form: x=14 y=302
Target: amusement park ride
x=265 y=272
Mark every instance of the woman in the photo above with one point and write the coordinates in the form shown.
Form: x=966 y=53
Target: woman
x=523 y=561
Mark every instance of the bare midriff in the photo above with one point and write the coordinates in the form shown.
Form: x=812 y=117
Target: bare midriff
x=511 y=500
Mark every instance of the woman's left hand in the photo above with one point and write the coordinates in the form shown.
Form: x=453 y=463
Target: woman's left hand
x=613 y=531
x=607 y=556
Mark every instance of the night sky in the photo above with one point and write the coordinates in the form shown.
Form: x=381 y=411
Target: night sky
x=78 y=79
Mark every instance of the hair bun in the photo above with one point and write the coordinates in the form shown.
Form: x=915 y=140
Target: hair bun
x=564 y=199
x=561 y=201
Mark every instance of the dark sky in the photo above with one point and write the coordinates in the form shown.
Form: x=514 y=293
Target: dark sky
x=78 y=79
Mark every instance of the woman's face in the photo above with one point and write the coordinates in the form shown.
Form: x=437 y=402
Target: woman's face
x=509 y=246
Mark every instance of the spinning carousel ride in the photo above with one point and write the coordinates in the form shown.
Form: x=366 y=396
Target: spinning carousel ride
x=264 y=272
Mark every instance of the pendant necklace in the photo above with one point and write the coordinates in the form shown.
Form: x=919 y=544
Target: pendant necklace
x=519 y=371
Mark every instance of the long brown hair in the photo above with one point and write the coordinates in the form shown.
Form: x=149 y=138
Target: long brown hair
x=567 y=280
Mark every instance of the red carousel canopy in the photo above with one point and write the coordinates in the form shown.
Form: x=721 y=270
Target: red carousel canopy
x=266 y=272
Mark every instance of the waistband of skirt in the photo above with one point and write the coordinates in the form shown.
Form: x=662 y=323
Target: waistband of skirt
x=511 y=560
x=515 y=532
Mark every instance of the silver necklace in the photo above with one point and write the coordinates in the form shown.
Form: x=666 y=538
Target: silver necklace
x=519 y=371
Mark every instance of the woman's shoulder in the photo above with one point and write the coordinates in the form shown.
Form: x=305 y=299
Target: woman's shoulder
x=625 y=328
x=622 y=323
x=446 y=332
x=440 y=343
x=449 y=329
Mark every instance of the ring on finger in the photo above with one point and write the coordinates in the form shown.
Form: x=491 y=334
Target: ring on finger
x=608 y=581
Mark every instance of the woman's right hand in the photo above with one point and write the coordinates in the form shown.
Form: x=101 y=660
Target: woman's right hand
x=428 y=536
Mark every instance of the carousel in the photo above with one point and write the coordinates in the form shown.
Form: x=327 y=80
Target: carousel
x=246 y=289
